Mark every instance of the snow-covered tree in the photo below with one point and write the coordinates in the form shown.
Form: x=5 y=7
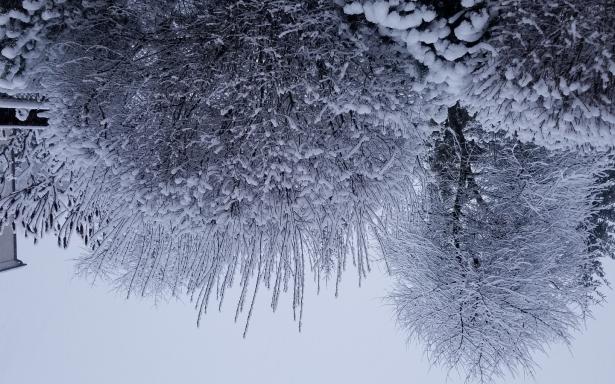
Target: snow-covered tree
x=542 y=70
x=551 y=74
x=263 y=136
x=197 y=144
x=496 y=263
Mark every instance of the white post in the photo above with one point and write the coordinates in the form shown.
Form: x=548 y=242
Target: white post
x=8 y=250
x=8 y=239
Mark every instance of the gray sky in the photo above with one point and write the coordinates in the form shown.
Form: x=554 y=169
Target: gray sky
x=57 y=328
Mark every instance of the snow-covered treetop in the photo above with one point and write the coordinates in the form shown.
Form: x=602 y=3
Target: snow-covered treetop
x=242 y=105
x=24 y=28
x=542 y=70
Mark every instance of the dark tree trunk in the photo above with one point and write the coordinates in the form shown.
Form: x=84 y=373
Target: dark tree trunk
x=458 y=119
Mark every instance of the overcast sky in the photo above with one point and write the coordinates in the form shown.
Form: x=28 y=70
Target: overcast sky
x=57 y=328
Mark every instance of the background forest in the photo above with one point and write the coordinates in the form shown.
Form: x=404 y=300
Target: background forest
x=194 y=145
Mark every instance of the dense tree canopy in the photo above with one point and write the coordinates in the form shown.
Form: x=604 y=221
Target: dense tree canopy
x=543 y=70
x=265 y=144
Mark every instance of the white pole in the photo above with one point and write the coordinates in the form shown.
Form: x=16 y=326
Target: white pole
x=8 y=239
